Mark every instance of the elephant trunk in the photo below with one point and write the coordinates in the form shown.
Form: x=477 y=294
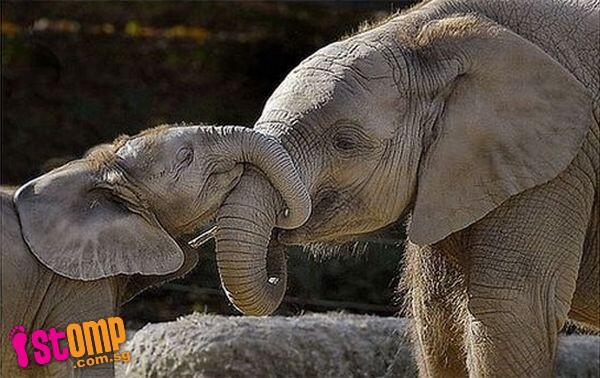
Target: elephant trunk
x=253 y=272
x=267 y=154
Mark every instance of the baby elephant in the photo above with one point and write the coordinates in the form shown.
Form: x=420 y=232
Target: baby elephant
x=84 y=238
x=35 y=297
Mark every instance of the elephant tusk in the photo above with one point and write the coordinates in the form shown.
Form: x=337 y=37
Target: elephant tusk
x=203 y=238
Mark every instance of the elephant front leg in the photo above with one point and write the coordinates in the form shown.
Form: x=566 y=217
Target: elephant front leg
x=70 y=301
x=523 y=264
x=512 y=338
x=437 y=303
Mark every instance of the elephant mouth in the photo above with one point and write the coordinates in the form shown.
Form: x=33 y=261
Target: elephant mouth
x=205 y=234
x=332 y=223
x=328 y=222
x=305 y=238
x=204 y=221
x=319 y=236
x=196 y=226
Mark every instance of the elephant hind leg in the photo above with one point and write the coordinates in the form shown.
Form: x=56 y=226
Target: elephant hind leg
x=435 y=291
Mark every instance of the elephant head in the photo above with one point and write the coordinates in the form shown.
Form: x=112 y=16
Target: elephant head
x=120 y=209
x=445 y=118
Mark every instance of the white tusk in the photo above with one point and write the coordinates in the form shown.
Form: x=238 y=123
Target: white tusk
x=203 y=238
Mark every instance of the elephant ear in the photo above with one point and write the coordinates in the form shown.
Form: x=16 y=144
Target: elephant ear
x=85 y=233
x=133 y=285
x=513 y=119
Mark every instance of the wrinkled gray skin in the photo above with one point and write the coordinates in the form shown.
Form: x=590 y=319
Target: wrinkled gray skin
x=82 y=239
x=37 y=298
x=480 y=119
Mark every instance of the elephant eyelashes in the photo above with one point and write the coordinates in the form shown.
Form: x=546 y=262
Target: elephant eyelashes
x=349 y=140
x=184 y=157
x=343 y=144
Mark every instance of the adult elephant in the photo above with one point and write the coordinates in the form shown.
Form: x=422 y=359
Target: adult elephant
x=480 y=118
x=84 y=238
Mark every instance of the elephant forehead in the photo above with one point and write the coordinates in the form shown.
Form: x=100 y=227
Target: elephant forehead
x=131 y=149
x=354 y=56
x=341 y=53
x=338 y=72
x=315 y=79
x=154 y=139
x=137 y=155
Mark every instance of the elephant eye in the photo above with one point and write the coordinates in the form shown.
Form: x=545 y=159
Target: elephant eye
x=184 y=156
x=349 y=139
x=343 y=143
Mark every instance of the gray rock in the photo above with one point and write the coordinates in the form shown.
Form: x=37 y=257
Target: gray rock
x=578 y=356
x=315 y=345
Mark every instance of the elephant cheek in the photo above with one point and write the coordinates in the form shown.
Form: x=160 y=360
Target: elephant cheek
x=218 y=186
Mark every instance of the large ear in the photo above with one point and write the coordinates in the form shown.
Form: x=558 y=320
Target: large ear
x=132 y=285
x=514 y=118
x=84 y=233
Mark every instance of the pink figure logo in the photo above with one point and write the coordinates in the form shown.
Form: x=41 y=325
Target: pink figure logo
x=18 y=339
x=96 y=339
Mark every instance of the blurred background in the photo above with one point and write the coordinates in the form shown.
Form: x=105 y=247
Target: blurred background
x=77 y=74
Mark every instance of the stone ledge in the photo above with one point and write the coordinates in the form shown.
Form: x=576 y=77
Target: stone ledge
x=314 y=345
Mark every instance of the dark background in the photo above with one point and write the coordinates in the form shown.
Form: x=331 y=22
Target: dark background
x=80 y=73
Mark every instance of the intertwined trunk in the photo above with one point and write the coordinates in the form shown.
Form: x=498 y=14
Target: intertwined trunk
x=253 y=271
x=270 y=194
x=246 y=145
